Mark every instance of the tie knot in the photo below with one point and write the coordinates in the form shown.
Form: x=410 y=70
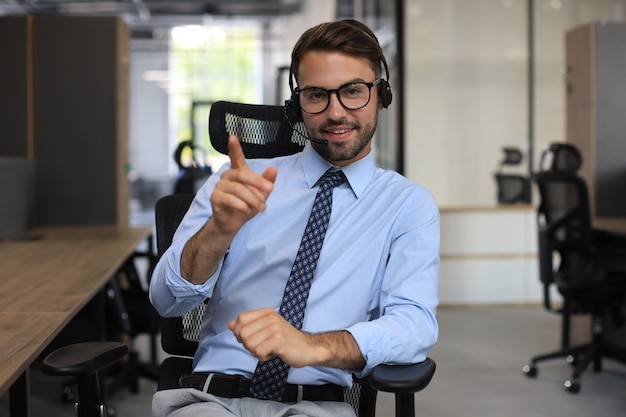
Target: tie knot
x=333 y=178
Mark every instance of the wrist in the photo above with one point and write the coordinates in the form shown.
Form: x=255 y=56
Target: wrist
x=336 y=350
x=203 y=252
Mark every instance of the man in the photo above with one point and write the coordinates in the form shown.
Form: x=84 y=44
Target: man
x=373 y=293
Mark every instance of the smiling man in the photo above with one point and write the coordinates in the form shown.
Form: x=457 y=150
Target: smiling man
x=302 y=298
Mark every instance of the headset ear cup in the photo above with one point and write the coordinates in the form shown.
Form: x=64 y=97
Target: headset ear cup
x=292 y=109
x=385 y=94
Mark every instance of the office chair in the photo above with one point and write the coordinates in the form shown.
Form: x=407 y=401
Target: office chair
x=587 y=266
x=264 y=131
x=190 y=177
x=130 y=315
x=512 y=188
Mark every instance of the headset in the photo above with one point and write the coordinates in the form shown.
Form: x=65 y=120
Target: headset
x=293 y=113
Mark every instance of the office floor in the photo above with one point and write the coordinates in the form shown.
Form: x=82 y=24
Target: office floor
x=479 y=357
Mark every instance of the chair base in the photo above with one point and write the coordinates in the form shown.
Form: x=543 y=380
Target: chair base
x=580 y=357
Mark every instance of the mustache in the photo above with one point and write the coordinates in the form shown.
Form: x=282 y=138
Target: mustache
x=341 y=122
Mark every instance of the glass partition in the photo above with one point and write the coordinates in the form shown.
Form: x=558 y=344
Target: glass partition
x=467 y=87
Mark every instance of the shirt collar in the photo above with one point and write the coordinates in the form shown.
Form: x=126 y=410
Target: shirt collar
x=358 y=173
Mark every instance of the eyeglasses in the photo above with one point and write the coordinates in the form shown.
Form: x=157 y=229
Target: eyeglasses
x=352 y=96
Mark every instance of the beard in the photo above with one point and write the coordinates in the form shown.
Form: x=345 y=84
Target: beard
x=345 y=151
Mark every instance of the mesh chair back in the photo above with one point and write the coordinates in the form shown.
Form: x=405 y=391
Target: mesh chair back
x=563 y=215
x=565 y=236
x=512 y=187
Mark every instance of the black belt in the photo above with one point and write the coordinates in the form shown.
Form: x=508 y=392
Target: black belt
x=236 y=386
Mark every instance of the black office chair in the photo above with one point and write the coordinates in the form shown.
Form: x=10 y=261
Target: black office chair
x=587 y=266
x=264 y=131
x=192 y=176
x=512 y=188
x=130 y=315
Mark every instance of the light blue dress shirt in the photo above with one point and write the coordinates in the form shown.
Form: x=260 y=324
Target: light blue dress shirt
x=377 y=276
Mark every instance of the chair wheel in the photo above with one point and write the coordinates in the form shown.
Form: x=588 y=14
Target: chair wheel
x=530 y=370
x=571 y=386
x=572 y=360
x=68 y=394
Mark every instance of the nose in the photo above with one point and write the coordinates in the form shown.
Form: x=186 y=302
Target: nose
x=335 y=108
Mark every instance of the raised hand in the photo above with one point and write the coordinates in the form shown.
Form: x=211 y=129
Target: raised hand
x=240 y=193
x=238 y=196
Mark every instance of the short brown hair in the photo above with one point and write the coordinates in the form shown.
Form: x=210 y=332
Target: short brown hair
x=349 y=36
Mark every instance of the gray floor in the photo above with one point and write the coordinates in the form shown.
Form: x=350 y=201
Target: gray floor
x=479 y=357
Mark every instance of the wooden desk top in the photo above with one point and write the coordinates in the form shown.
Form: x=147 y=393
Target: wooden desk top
x=47 y=275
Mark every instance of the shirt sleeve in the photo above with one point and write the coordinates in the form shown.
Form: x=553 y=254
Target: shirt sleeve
x=406 y=327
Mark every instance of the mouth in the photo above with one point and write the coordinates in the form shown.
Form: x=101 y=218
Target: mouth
x=338 y=134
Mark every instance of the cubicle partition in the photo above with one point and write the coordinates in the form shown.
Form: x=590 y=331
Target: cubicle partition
x=16 y=195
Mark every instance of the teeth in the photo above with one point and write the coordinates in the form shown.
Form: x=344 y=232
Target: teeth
x=339 y=132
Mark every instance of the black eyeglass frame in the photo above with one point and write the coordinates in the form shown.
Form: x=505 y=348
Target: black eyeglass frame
x=369 y=86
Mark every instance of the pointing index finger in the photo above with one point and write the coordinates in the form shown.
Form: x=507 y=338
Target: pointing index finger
x=235 y=153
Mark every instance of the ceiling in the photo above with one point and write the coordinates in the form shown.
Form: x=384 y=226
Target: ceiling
x=148 y=8
x=148 y=18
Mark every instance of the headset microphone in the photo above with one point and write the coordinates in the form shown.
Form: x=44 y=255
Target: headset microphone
x=318 y=141
x=289 y=107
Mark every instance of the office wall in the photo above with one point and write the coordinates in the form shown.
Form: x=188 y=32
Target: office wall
x=466 y=94
x=489 y=256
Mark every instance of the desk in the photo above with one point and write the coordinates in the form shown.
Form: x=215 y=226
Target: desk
x=47 y=275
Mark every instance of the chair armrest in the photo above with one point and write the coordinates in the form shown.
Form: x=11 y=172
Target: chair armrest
x=402 y=378
x=83 y=358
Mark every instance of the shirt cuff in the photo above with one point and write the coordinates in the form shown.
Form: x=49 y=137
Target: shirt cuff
x=179 y=286
x=373 y=348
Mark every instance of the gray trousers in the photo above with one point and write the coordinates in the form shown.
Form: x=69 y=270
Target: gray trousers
x=189 y=402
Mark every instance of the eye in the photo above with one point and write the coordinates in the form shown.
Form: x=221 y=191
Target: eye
x=314 y=94
x=353 y=90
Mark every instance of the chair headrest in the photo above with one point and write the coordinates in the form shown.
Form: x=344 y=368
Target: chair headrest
x=512 y=156
x=561 y=157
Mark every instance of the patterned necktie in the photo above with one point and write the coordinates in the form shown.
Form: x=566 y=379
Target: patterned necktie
x=270 y=376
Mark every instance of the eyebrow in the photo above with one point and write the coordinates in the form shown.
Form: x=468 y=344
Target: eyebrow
x=356 y=80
